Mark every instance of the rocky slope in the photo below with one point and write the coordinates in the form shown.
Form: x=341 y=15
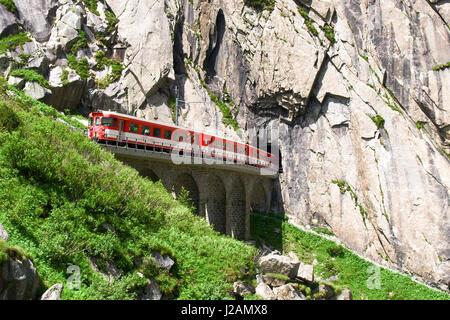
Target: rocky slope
x=358 y=89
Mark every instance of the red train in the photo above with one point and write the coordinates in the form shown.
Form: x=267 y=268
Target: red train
x=121 y=129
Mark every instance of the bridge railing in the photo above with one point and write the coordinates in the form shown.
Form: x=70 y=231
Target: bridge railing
x=197 y=155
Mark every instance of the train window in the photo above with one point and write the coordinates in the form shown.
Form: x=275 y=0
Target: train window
x=107 y=122
x=157 y=132
x=134 y=128
x=97 y=121
x=167 y=134
x=90 y=121
x=146 y=130
x=115 y=122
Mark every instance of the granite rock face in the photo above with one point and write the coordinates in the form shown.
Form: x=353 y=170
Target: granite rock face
x=351 y=85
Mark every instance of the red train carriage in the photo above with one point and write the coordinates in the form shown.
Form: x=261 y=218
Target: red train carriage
x=121 y=129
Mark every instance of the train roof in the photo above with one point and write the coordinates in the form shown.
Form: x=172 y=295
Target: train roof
x=166 y=124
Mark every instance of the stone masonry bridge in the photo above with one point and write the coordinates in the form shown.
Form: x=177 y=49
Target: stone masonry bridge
x=224 y=194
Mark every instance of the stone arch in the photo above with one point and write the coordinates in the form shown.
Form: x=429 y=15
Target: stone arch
x=258 y=199
x=149 y=174
x=215 y=207
x=186 y=181
x=238 y=209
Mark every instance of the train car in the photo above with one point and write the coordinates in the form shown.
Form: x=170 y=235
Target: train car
x=120 y=129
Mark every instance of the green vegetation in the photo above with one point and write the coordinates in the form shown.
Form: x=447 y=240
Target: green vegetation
x=42 y=107
x=324 y=230
x=10 y=251
x=30 y=75
x=92 y=6
x=260 y=4
x=112 y=21
x=378 y=120
x=441 y=66
x=9 y=5
x=329 y=33
x=344 y=187
x=421 y=124
x=278 y=276
x=81 y=67
x=364 y=57
x=67 y=201
x=102 y=63
x=13 y=41
x=65 y=77
x=352 y=270
x=81 y=42
x=308 y=22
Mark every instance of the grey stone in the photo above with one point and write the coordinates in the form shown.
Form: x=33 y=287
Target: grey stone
x=288 y=292
x=242 y=288
x=151 y=291
x=264 y=291
x=274 y=263
x=3 y=234
x=306 y=272
x=18 y=279
x=273 y=281
x=164 y=261
x=34 y=90
x=346 y=294
x=53 y=293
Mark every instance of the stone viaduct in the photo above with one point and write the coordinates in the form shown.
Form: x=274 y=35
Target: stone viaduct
x=224 y=194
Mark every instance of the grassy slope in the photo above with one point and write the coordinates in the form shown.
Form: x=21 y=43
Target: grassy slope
x=351 y=269
x=61 y=195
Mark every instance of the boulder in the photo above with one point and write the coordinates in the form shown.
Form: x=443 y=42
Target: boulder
x=53 y=293
x=275 y=263
x=18 y=279
x=8 y=22
x=273 y=281
x=17 y=82
x=151 y=291
x=164 y=261
x=325 y=292
x=3 y=234
x=288 y=292
x=306 y=272
x=264 y=291
x=35 y=90
x=346 y=294
x=242 y=288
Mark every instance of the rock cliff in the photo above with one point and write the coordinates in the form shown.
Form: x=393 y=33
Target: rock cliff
x=358 y=89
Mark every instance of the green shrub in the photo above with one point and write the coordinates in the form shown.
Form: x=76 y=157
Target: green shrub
x=92 y=6
x=30 y=75
x=335 y=251
x=80 y=43
x=260 y=4
x=81 y=67
x=441 y=66
x=9 y=5
x=112 y=21
x=13 y=41
x=9 y=121
x=378 y=120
